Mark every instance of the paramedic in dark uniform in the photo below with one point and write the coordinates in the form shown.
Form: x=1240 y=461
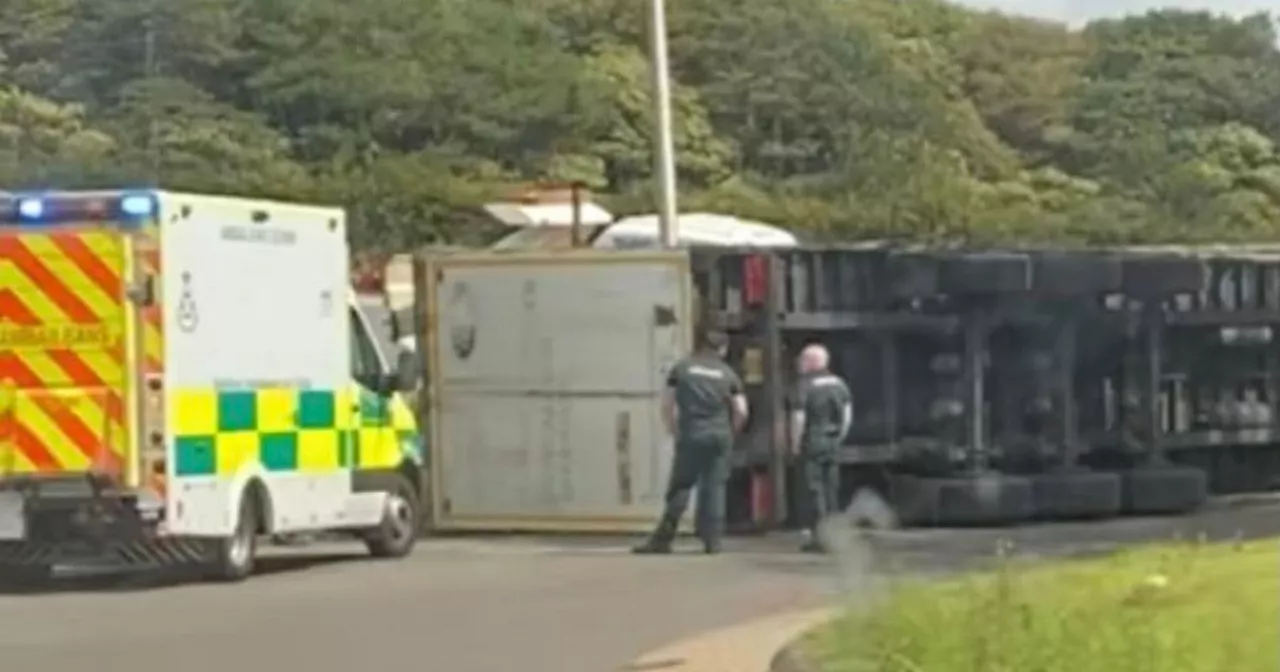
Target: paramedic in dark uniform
x=820 y=420
x=703 y=407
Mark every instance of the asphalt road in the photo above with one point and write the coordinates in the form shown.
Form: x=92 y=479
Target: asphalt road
x=480 y=605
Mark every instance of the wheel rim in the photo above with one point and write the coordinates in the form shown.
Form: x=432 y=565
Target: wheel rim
x=241 y=547
x=399 y=518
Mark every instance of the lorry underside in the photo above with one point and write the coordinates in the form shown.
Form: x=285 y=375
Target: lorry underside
x=1002 y=386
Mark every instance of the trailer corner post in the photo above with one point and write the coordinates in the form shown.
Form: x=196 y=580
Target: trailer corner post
x=773 y=366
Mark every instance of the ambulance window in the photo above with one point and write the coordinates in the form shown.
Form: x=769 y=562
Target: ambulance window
x=365 y=367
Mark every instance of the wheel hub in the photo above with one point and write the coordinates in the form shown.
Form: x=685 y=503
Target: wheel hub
x=241 y=548
x=399 y=517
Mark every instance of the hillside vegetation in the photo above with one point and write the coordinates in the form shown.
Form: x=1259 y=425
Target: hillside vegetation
x=842 y=118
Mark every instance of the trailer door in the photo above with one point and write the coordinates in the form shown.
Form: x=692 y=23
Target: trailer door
x=547 y=372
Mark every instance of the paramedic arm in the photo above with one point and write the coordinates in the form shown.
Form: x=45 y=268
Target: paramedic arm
x=797 y=429
x=669 y=403
x=846 y=412
x=738 y=402
x=798 y=417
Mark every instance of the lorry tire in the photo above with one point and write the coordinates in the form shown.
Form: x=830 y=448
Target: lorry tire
x=396 y=535
x=235 y=556
x=914 y=500
x=985 y=273
x=25 y=578
x=1162 y=274
x=985 y=500
x=963 y=501
x=1075 y=273
x=1164 y=489
x=1076 y=494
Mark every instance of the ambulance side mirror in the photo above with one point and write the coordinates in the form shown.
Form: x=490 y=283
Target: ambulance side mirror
x=405 y=376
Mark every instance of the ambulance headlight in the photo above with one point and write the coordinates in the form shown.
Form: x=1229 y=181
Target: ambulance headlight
x=30 y=208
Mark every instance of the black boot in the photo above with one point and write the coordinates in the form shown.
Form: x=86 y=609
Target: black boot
x=652 y=546
x=813 y=544
x=658 y=543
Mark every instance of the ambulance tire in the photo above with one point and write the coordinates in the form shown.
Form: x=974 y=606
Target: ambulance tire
x=235 y=556
x=396 y=536
x=1077 y=494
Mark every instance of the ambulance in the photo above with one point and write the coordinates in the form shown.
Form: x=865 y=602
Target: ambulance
x=182 y=375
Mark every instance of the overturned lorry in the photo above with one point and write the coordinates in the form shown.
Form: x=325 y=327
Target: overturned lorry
x=994 y=387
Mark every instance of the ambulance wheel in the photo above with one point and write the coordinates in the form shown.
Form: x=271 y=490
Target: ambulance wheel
x=396 y=535
x=1158 y=489
x=1076 y=494
x=235 y=555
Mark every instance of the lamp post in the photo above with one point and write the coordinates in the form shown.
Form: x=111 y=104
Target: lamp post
x=664 y=152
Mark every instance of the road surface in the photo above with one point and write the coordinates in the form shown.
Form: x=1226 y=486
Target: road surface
x=482 y=605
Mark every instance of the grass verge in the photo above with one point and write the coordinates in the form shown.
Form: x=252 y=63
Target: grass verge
x=1183 y=607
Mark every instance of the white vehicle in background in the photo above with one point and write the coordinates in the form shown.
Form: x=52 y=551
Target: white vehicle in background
x=545 y=220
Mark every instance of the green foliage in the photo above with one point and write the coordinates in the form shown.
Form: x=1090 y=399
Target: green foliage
x=838 y=118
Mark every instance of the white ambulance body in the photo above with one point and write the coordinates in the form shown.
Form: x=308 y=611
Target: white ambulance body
x=268 y=411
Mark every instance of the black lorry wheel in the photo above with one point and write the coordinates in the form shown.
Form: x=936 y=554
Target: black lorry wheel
x=1073 y=494
x=1164 y=489
x=25 y=578
x=964 y=501
x=398 y=532
x=234 y=556
x=985 y=273
x=914 y=500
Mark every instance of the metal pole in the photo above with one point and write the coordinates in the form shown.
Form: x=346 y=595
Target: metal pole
x=153 y=124
x=664 y=153
x=575 y=230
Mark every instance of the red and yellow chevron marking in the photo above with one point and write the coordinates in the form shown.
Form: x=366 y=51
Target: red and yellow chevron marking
x=62 y=371
x=152 y=315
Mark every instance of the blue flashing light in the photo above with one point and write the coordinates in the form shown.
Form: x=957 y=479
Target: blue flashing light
x=31 y=208
x=138 y=205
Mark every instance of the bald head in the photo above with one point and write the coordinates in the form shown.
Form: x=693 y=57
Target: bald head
x=814 y=358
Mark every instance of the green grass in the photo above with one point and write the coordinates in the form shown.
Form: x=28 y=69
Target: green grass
x=1170 y=608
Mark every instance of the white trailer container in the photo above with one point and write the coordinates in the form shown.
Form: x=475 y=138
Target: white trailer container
x=546 y=372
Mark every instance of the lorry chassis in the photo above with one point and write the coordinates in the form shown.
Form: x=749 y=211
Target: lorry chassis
x=1002 y=386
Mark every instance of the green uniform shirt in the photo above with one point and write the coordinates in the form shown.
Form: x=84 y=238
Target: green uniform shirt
x=822 y=397
x=704 y=386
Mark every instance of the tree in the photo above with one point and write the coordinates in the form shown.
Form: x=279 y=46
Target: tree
x=840 y=118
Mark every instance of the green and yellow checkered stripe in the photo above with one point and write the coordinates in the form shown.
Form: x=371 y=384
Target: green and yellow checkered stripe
x=218 y=432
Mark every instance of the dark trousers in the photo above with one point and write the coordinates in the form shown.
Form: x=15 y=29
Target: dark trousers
x=821 y=475
x=701 y=462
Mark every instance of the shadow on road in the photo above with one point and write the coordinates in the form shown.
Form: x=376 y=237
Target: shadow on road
x=85 y=581
x=941 y=551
